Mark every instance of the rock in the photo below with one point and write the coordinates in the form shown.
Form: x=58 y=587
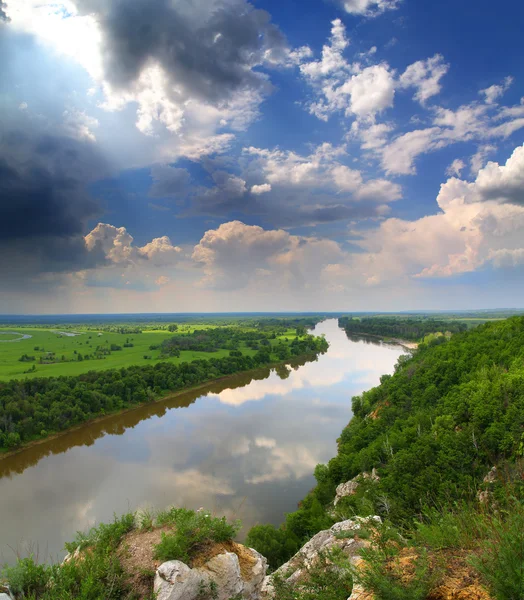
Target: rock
x=176 y=581
x=491 y=477
x=346 y=489
x=222 y=577
x=296 y=569
x=4 y=596
x=76 y=555
x=358 y=592
x=484 y=497
x=350 y=487
x=225 y=572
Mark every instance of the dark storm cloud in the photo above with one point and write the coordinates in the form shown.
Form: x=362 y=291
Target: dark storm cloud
x=168 y=181
x=281 y=207
x=208 y=48
x=44 y=204
x=3 y=14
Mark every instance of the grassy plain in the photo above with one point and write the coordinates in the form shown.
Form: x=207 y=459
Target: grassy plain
x=66 y=349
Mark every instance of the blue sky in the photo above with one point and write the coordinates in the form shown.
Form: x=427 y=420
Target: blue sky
x=178 y=155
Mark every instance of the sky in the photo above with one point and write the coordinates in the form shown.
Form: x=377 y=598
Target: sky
x=291 y=155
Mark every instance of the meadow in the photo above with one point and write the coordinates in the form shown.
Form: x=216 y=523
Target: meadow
x=59 y=352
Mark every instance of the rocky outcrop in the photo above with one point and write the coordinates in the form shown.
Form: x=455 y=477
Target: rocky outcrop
x=485 y=496
x=5 y=593
x=225 y=576
x=350 y=487
x=342 y=535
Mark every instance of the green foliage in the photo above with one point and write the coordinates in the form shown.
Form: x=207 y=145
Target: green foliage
x=501 y=558
x=27 y=577
x=402 y=327
x=274 y=543
x=446 y=416
x=191 y=530
x=388 y=581
x=53 y=404
x=94 y=575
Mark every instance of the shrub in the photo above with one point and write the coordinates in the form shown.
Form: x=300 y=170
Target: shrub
x=191 y=531
x=501 y=560
x=383 y=577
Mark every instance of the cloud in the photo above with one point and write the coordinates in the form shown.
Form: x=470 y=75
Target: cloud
x=469 y=122
x=357 y=90
x=494 y=92
x=480 y=223
x=117 y=245
x=261 y=189
x=425 y=75
x=236 y=255
x=290 y=189
x=193 y=72
x=456 y=167
x=168 y=181
x=44 y=203
x=3 y=14
x=368 y=8
x=478 y=160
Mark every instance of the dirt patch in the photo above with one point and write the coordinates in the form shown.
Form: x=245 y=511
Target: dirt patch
x=245 y=557
x=460 y=581
x=136 y=557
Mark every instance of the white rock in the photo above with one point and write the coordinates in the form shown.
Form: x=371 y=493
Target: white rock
x=491 y=477
x=350 y=487
x=174 y=580
x=294 y=570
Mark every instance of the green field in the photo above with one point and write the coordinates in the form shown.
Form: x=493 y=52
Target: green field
x=58 y=354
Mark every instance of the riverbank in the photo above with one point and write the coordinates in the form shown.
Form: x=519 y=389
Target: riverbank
x=409 y=345
x=296 y=361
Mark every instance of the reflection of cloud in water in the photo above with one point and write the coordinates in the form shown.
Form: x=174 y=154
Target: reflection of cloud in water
x=361 y=361
x=221 y=455
x=291 y=461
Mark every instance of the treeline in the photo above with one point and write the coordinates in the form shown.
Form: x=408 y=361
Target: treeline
x=432 y=430
x=211 y=340
x=398 y=327
x=36 y=408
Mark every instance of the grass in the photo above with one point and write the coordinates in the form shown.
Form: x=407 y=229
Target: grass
x=96 y=572
x=191 y=531
x=47 y=340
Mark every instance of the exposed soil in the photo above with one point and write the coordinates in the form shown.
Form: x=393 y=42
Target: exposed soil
x=137 y=548
x=459 y=580
x=136 y=557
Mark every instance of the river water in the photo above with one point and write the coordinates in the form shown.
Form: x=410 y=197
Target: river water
x=245 y=447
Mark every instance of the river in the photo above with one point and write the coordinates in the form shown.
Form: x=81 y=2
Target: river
x=245 y=447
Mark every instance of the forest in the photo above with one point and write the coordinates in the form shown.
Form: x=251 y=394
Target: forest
x=433 y=430
x=31 y=409
x=413 y=329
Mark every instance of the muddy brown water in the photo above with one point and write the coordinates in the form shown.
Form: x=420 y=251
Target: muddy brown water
x=245 y=447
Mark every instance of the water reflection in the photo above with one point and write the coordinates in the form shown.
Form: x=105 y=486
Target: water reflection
x=245 y=447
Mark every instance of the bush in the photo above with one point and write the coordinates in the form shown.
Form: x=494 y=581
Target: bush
x=192 y=530
x=98 y=574
x=386 y=579
x=501 y=560
x=277 y=545
x=27 y=578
